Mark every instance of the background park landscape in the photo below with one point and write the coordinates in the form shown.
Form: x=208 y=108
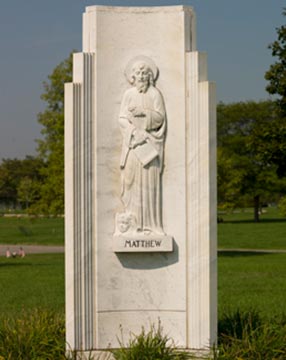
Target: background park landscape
x=251 y=226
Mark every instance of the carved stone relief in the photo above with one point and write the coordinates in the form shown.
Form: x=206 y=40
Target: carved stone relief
x=142 y=122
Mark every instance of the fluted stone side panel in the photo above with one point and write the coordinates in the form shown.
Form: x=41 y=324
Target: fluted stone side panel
x=80 y=245
x=201 y=180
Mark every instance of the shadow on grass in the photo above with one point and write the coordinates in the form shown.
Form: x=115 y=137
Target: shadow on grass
x=18 y=264
x=15 y=265
x=251 y=221
x=238 y=253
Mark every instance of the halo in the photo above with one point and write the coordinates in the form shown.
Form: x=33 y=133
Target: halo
x=141 y=58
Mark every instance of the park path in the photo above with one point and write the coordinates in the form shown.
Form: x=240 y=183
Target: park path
x=46 y=249
x=32 y=249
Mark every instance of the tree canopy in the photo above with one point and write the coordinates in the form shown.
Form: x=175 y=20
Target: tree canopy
x=38 y=183
x=276 y=75
x=19 y=181
x=273 y=146
x=251 y=147
x=244 y=174
x=51 y=146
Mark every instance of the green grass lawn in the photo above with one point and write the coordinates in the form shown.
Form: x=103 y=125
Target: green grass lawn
x=252 y=281
x=245 y=281
x=40 y=231
x=238 y=230
x=36 y=281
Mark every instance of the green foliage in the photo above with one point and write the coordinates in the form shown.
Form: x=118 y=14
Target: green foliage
x=150 y=345
x=40 y=335
x=36 y=335
x=243 y=335
x=229 y=180
x=246 y=281
x=19 y=181
x=51 y=147
x=273 y=145
x=52 y=119
x=276 y=75
x=282 y=206
x=27 y=191
x=38 y=183
x=244 y=175
x=236 y=323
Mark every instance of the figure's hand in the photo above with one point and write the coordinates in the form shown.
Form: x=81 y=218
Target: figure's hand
x=140 y=137
x=137 y=111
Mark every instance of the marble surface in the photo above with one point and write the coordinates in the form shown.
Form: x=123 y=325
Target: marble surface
x=108 y=290
x=143 y=125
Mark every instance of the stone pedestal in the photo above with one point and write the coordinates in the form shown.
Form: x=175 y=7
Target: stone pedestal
x=140 y=220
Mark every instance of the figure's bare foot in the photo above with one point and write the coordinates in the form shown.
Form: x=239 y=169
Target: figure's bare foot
x=160 y=233
x=147 y=232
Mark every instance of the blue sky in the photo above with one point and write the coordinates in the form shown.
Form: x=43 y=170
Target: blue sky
x=36 y=35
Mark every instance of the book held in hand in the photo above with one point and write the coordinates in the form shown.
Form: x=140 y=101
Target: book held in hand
x=145 y=153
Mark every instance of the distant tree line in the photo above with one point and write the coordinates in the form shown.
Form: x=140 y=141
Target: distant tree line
x=252 y=142
x=37 y=183
x=247 y=174
x=251 y=147
x=20 y=182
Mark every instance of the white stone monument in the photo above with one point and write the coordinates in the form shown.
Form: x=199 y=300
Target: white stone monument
x=140 y=170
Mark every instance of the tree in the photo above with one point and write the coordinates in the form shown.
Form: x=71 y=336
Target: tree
x=242 y=171
x=273 y=145
x=276 y=75
x=13 y=172
x=9 y=177
x=51 y=147
x=27 y=191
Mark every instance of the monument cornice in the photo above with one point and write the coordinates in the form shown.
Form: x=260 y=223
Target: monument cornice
x=140 y=9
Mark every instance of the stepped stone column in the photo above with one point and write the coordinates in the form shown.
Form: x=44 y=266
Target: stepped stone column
x=140 y=181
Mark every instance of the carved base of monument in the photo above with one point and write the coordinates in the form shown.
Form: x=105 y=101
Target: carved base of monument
x=107 y=355
x=142 y=243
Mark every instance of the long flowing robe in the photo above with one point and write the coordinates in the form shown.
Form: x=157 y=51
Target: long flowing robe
x=141 y=183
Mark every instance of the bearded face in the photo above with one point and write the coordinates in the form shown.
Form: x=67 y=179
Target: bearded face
x=141 y=75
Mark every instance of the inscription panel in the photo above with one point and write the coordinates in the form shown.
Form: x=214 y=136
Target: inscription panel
x=142 y=243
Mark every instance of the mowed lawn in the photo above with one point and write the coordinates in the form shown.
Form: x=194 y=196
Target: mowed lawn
x=236 y=231
x=36 y=281
x=246 y=280
x=37 y=231
x=239 y=231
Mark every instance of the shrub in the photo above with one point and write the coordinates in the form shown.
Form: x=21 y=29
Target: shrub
x=40 y=335
x=150 y=345
x=246 y=336
x=236 y=323
x=34 y=335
